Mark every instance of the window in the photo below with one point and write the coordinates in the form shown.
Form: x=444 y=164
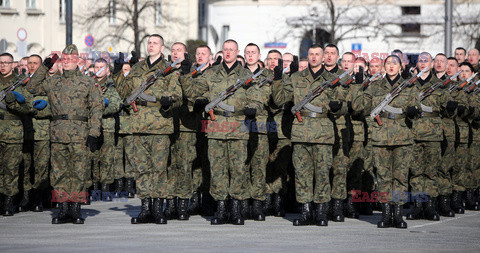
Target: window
x=410 y=28
x=112 y=11
x=158 y=12
x=411 y=10
x=31 y=4
x=4 y=3
x=62 y=10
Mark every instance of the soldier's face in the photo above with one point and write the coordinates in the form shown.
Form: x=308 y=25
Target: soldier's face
x=155 y=46
x=23 y=64
x=302 y=65
x=331 y=56
x=315 y=56
x=98 y=67
x=126 y=68
x=252 y=55
x=473 y=57
x=272 y=60
x=348 y=62
x=392 y=66
x=440 y=63
x=178 y=51
x=424 y=61
x=230 y=52
x=460 y=55
x=33 y=64
x=69 y=61
x=6 y=65
x=375 y=66
x=287 y=60
x=202 y=55
x=452 y=67
x=466 y=72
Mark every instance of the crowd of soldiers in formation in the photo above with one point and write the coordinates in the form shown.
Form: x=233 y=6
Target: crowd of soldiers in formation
x=237 y=138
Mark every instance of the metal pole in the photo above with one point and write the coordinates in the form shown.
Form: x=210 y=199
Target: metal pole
x=68 y=20
x=448 y=27
x=314 y=32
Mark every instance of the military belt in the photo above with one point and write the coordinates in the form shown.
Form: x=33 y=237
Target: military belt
x=314 y=115
x=429 y=114
x=228 y=114
x=148 y=104
x=9 y=117
x=391 y=115
x=69 y=117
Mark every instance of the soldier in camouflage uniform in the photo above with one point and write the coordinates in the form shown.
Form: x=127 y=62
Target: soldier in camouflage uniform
x=151 y=126
x=392 y=141
x=11 y=110
x=76 y=108
x=228 y=132
x=313 y=137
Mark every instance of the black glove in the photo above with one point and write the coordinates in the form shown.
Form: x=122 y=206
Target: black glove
x=166 y=101
x=405 y=74
x=451 y=106
x=200 y=104
x=461 y=110
x=118 y=63
x=412 y=111
x=335 y=106
x=294 y=65
x=218 y=61
x=49 y=62
x=185 y=65
x=250 y=112
x=359 y=75
x=278 y=70
x=92 y=143
x=170 y=58
x=134 y=58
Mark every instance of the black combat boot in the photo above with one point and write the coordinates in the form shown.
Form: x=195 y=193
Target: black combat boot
x=75 y=213
x=145 y=214
x=470 y=202
x=221 y=214
x=236 y=216
x=8 y=209
x=321 y=216
x=106 y=194
x=1 y=203
x=208 y=204
x=118 y=188
x=194 y=207
x=417 y=212
x=157 y=211
x=457 y=202
x=366 y=208
x=337 y=210
x=351 y=208
x=397 y=217
x=257 y=210
x=278 y=208
x=245 y=209
x=37 y=200
x=183 y=209
x=171 y=209
x=387 y=216
x=429 y=210
x=24 y=205
x=268 y=207
x=63 y=215
x=306 y=216
x=444 y=206
x=129 y=187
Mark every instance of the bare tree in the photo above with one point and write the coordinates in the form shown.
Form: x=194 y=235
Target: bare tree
x=466 y=21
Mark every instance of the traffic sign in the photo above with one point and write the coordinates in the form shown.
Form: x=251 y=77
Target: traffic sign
x=22 y=34
x=89 y=40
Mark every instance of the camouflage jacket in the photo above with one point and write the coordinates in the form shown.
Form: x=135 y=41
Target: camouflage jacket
x=393 y=131
x=211 y=84
x=184 y=118
x=280 y=118
x=71 y=94
x=456 y=127
x=108 y=91
x=152 y=118
x=429 y=128
x=312 y=129
x=474 y=117
x=41 y=119
x=123 y=116
x=261 y=121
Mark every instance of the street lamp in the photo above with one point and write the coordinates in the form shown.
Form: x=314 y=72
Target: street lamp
x=314 y=16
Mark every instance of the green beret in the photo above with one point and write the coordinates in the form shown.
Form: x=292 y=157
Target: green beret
x=70 y=49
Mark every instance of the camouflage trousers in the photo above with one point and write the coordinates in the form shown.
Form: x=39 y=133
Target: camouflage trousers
x=424 y=169
x=10 y=162
x=447 y=163
x=340 y=165
x=69 y=166
x=358 y=176
x=179 y=174
x=473 y=173
x=368 y=175
x=201 y=165
x=27 y=154
x=103 y=160
x=462 y=164
x=41 y=161
x=258 y=152
x=277 y=168
x=312 y=164
x=122 y=161
x=228 y=169
x=392 y=163
x=150 y=158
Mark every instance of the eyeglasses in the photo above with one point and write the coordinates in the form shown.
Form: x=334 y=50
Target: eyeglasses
x=6 y=63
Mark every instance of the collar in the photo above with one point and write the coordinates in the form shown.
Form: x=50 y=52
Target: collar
x=69 y=73
x=392 y=82
x=228 y=70
x=316 y=75
x=151 y=65
x=422 y=82
x=334 y=70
